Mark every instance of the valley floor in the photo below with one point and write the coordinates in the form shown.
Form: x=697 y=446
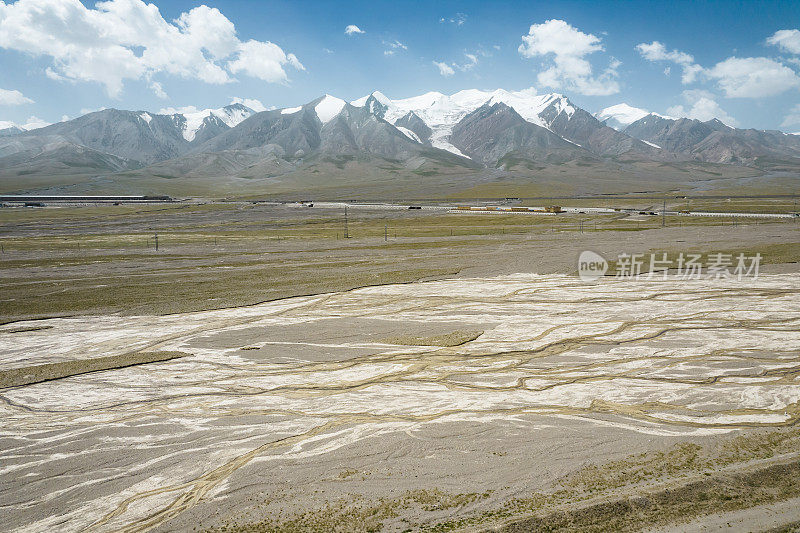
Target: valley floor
x=495 y=391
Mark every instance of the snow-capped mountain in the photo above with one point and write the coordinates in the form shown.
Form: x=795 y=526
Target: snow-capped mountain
x=191 y=121
x=429 y=133
x=620 y=115
x=441 y=112
x=116 y=139
x=11 y=129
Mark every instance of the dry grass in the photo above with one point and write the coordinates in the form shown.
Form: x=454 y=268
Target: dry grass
x=17 y=377
x=454 y=338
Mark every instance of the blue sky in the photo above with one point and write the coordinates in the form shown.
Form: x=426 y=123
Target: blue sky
x=62 y=58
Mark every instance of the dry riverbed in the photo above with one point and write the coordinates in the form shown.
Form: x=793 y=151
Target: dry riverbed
x=518 y=400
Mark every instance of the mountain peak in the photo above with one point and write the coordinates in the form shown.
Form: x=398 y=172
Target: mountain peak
x=621 y=115
x=715 y=122
x=328 y=107
x=380 y=97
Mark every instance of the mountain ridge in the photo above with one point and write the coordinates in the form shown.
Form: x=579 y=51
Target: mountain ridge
x=463 y=132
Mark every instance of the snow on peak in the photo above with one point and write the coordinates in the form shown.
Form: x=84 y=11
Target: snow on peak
x=718 y=121
x=408 y=133
x=291 y=110
x=328 y=107
x=230 y=115
x=441 y=112
x=146 y=117
x=379 y=96
x=623 y=113
x=530 y=105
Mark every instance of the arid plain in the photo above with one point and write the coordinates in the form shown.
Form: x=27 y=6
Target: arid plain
x=433 y=371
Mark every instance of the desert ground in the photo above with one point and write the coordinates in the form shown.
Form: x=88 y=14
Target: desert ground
x=433 y=371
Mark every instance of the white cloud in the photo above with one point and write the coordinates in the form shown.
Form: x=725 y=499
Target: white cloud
x=87 y=110
x=702 y=107
x=447 y=70
x=793 y=118
x=786 y=40
x=656 y=51
x=753 y=77
x=13 y=97
x=472 y=60
x=31 y=124
x=158 y=90
x=458 y=19
x=35 y=122
x=570 y=69
x=394 y=46
x=183 y=110
x=444 y=69
x=352 y=29
x=129 y=40
x=252 y=103
x=263 y=60
x=747 y=77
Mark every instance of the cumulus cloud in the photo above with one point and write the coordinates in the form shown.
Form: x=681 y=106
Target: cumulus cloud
x=701 y=106
x=129 y=40
x=13 y=97
x=182 y=110
x=786 y=40
x=656 y=51
x=568 y=48
x=252 y=103
x=793 y=118
x=352 y=29
x=263 y=60
x=745 y=77
x=444 y=69
x=87 y=110
x=31 y=124
x=753 y=77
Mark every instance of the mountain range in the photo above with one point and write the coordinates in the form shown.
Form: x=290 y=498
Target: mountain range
x=483 y=134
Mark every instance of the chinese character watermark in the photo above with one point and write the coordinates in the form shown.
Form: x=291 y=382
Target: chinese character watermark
x=659 y=265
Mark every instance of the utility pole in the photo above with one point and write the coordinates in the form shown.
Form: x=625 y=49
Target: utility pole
x=155 y=235
x=664 y=214
x=346 y=233
x=385 y=232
